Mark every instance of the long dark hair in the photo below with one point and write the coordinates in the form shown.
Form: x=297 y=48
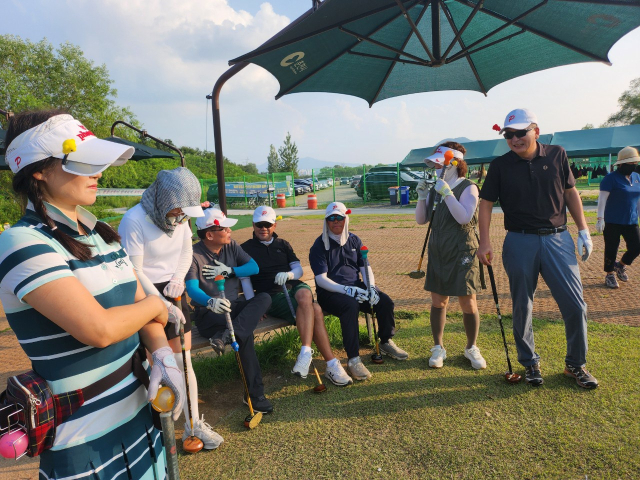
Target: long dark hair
x=26 y=185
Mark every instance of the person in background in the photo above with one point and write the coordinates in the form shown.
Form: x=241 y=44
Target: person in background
x=618 y=205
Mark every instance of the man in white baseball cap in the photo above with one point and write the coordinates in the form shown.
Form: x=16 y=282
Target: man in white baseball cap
x=280 y=269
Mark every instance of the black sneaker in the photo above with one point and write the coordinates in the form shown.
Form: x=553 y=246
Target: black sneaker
x=260 y=404
x=219 y=340
x=583 y=378
x=533 y=376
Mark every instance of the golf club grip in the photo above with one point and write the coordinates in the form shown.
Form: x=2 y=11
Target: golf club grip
x=227 y=317
x=286 y=295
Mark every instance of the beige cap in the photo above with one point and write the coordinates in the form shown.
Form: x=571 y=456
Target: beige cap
x=628 y=155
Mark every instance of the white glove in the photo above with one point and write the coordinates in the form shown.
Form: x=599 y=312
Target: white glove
x=359 y=294
x=282 y=277
x=219 y=305
x=600 y=225
x=174 y=288
x=422 y=189
x=212 y=271
x=585 y=245
x=176 y=317
x=374 y=297
x=165 y=371
x=443 y=188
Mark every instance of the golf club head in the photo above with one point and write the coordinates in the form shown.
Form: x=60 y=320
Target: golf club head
x=512 y=377
x=252 y=422
x=320 y=388
x=417 y=274
x=377 y=359
x=192 y=445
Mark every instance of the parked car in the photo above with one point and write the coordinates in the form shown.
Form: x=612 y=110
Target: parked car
x=330 y=182
x=344 y=181
x=354 y=180
x=378 y=184
x=301 y=182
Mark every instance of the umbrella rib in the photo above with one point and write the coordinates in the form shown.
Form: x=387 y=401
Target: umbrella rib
x=467 y=52
x=472 y=65
x=464 y=27
x=385 y=46
x=389 y=59
x=392 y=66
x=537 y=32
x=415 y=29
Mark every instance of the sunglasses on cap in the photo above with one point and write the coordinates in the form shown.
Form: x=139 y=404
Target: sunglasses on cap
x=335 y=218
x=517 y=133
x=263 y=224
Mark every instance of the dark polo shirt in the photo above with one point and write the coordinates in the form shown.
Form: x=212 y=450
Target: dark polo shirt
x=272 y=259
x=531 y=193
x=341 y=264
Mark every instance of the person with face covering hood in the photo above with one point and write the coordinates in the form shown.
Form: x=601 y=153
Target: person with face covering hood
x=338 y=266
x=156 y=235
x=618 y=206
x=452 y=268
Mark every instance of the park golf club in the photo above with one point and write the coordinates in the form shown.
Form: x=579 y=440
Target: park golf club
x=448 y=155
x=375 y=357
x=321 y=387
x=509 y=376
x=254 y=418
x=163 y=403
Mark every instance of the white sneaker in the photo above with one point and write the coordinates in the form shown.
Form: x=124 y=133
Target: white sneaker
x=474 y=355
x=438 y=354
x=357 y=369
x=337 y=375
x=301 y=368
x=204 y=432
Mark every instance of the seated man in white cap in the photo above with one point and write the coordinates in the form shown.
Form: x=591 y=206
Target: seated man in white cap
x=217 y=254
x=280 y=266
x=338 y=267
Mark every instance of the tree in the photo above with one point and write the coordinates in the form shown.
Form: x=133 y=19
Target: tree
x=288 y=156
x=273 y=162
x=588 y=126
x=629 y=103
x=250 y=168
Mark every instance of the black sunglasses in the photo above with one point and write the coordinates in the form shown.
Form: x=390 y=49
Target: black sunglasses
x=517 y=133
x=263 y=224
x=335 y=218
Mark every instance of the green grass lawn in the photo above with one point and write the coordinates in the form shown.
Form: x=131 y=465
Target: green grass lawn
x=410 y=421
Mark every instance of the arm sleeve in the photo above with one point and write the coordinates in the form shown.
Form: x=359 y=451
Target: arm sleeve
x=296 y=269
x=147 y=285
x=602 y=202
x=186 y=256
x=247 y=288
x=372 y=279
x=196 y=293
x=325 y=282
x=421 y=211
x=463 y=210
x=248 y=269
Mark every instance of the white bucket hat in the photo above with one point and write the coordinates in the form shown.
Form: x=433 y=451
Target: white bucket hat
x=627 y=155
x=64 y=137
x=214 y=217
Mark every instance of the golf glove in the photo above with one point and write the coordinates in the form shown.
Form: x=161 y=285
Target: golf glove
x=176 y=317
x=212 y=271
x=600 y=225
x=585 y=245
x=283 y=277
x=359 y=294
x=165 y=371
x=374 y=297
x=174 y=288
x=423 y=190
x=219 y=305
x=443 y=188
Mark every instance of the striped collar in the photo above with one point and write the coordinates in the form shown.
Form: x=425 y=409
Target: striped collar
x=84 y=216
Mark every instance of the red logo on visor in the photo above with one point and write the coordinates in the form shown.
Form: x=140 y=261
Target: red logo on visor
x=84 y=134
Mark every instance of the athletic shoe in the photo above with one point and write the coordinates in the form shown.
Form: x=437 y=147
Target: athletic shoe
x=533 y=375
x=610 y=281
x=337 y=375
x=357 y=369
x=583 y=378
x=438 y=355
x=301 y=368
x=219 y=340
x=392 y=350
x=259 y=404
x=204 y=432
x=621 y=271
x=474 y=355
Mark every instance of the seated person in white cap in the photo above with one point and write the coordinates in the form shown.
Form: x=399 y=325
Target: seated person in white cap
x=280 y=266
x=217 y=254
x=452 y=268
x=338 y=267
x=157 y=236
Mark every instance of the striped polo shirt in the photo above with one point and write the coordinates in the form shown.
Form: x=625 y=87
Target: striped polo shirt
x=30 y=257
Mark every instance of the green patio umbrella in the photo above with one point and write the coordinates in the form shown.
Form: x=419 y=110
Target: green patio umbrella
x=142 y=152
x=379 y=49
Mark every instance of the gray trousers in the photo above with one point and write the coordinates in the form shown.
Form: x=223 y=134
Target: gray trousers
x=553 y=256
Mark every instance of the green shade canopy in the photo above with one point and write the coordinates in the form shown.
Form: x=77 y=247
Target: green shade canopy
x=482 y=151
x=379 y=49
x=143 y=152
x=598 y=142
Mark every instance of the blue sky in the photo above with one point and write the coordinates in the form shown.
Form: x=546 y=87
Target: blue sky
x=166 y=55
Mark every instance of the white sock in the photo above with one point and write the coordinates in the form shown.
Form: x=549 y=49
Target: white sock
x=305 y=349
x=193 y=387
x=332 y=363
x=353 y=360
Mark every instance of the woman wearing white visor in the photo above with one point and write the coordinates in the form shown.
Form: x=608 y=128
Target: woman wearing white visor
x=72 y=298
x=452 y=268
